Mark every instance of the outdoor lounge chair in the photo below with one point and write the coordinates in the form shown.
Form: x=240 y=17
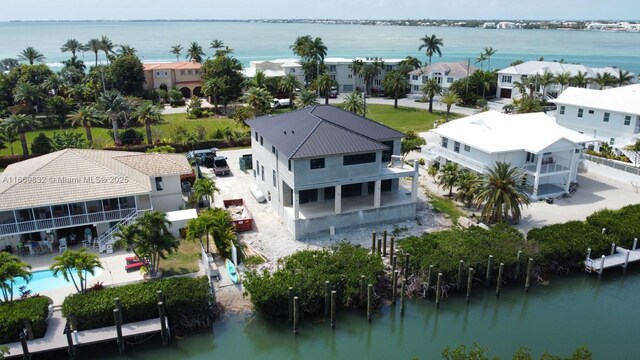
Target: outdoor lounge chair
x=134 y=266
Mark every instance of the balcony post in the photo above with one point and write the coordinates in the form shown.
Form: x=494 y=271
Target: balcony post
x=338 y=199
x=414 y=182
x=536 y=181
x=296 y=205
x=376 y=193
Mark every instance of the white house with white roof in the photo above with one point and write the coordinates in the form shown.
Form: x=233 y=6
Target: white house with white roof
x=610 y=115
x=546 y=152
x=445 y=74
x=507 y=77
x=275 y=68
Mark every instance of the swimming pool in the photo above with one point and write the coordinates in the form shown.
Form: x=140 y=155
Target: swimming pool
x=43 y=280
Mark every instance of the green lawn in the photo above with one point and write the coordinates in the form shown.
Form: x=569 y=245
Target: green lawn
x=183 y=261
x=401 y=119
x=446 y=206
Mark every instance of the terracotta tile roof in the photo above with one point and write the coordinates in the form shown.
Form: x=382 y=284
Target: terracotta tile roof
x=181 y=65
x=80 y=175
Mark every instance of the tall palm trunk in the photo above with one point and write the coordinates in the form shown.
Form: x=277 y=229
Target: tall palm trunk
x=116 y=136
x=395 y=99
x=326 y=97
x=96 y=57
x=23 y=141
x=290 y=99
x=430 y=104
x=147 y=125
x=87 y=130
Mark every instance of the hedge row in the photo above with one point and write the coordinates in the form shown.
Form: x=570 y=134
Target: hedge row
x=185 y=298
x=206 y=144
x=623 y=224
x=306 y=271
x=13 y=314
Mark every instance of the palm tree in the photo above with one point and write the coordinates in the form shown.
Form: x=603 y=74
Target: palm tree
x=635 y=147
x=430 y=89
x=29 y=95
x=73 y=62
x=301 y=47
x=106 y=45
x=259 y=80
x=289 y=83
x=545 y=80
x=624 y=78
x=147 y=113
x=113 y=104
x=176 y=50
x=354 y=103
x=468 y=185
x=216 y=224
x=127 y=50
x=449 y=99
x=95 y=45
x=528 y=105
x=8 y=134
x=306 y=98
x=414 y=62
x=86 y=116
x=580 y=79
x=488 y=52
x=11 y=268
x=502 y=194
x=317 y=52
x=480 y=60
x=216 y=44
x=603 y=79
x=448 y=176
x=563 y=79
x=432 y=45
x=324 y=84
x=356 y=69
x=397 y=83
x=80 y=262
x=259 y=99
x=205 y=188
x=21 y=124
x=195 y=53
x=369 y=72
x=212 y=88
x=31 y=55
x=74 y=46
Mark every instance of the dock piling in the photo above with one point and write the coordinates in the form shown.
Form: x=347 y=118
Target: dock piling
x=438 y=290
x=362 y=289
x=163 y=324
x=72 y=347
x=333 y=308
x=73 y=322
x=527 y=281
x=394 y=260
x=384 y=243
x=635 y=243
x=118 y=305
x=429 y=272
x=379 y=247
x=373 y=242
x=613 y=248
x=120 y=339
x=29 y=328
x=516 y=272
x=296 y=314
x=601 y=267
x=25 y=347
x=489 y=265
x=406 y=266
x=327 y=298
x=394 y=287
x=459 y=278
x=588 y=254
x=369 y=301
x=402 y=287
x=499 y=284
x=290 y=304
x=626 y=260
x=469 y=283
x=393 y=240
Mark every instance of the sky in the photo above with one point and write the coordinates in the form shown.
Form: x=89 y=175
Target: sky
x=317 y=9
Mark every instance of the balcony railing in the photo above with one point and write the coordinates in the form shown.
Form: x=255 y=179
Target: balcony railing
x=64 y=221
x=547 y=168
x=460 y=159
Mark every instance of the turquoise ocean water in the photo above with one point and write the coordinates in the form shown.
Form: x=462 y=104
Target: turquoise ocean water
x=263 y=41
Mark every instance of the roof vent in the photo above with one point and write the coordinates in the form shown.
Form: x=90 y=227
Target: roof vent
x=285 y=132
x=292 y=132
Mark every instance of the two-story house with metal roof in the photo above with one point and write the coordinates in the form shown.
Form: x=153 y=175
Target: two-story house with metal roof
x=323 y=169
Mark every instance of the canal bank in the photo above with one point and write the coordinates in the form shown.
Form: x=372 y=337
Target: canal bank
x=558 y=318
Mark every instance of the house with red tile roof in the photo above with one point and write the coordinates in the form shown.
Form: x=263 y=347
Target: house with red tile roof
x=186 y=76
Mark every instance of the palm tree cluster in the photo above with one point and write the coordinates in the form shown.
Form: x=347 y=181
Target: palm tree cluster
x=75 y=266
x=11 y=269
x=213 y=224
x=312 y=52
x=498 y=192
x=432 y=45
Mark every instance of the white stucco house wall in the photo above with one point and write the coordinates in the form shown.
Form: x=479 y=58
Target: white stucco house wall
x=610 y=115
x=512 y=74
x=275 y=68
x=77 y=191
x=445 y=74
x=546 y=152
x=323 y=169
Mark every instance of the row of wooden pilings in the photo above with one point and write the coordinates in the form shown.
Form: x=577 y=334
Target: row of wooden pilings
x=379 y=247
x=71 y=327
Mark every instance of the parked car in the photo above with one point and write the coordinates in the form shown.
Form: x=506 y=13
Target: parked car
x=203 y=157
x=220 y=166
x=333 y=92
x=280 y=103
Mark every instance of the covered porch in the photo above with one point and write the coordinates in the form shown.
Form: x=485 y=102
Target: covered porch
x=550 y=173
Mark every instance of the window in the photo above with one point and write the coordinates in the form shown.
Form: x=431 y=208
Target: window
x=627 y=120
x=293 y=71
x=190 y=72
x=317 y=163
x=275 y=184
x=531 y=158
x=377 y=82
x=333 y=76
x=349 y=76
x=262 y=172
x=158 y=183
x=388 y=67
x=416 y=87
x=261 y=140
x=456 y=146
x=580 y=113
x=166 y=73
x=605 y=118
x=467 y=148
x=449 y=80
x=506 y=78
x=561 y=109
x=439 y=79
x=414 y=77
x=157 y=73
x=591 y=112
x=289 y=164
x=273 y=149
x=258 y=167
x=358 y=159
x=332 y=68
x=256 y=135
x=386 y=155
x=445 y=142
x=612 y=141
x=183 y=72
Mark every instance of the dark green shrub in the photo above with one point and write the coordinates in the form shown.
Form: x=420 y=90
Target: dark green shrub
x=623 y=225
x=445 y=249
x=13 y=314
x=188 y=303
x=565 y=245
x=306 y=271
x=41 y=144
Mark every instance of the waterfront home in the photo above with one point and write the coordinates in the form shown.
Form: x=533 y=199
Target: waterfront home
x=445 y=73
x=340 y=69
x=611 y=115
x=322 y=168
x=507 y=77
x=186 y=76
x=83 y=194
x=546 y=152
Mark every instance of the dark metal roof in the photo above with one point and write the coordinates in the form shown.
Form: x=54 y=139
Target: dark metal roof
x=322 y=130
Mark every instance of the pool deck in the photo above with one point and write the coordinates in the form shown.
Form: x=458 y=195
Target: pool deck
x=113 y=272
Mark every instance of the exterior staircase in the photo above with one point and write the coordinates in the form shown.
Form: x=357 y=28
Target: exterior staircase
x=106 y=238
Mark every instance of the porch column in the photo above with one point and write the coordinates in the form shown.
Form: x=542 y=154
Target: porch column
x=296 y=205
x=572 y=170
x=536 y=180
x=376 y=193
x=414 y=182
x=338 y=199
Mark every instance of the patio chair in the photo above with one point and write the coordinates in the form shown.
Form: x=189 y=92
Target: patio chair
x=62 y=244
x=95 y=243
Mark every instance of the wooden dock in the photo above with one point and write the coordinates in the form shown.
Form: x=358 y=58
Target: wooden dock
x=619 y=257
x=55 y=338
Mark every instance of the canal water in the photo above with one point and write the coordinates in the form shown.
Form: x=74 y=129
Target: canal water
x=556 y=318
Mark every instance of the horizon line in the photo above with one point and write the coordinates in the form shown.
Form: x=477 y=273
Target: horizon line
x=299 y=19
